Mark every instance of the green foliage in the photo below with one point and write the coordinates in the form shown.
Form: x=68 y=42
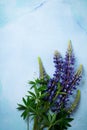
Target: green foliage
x=35 y=107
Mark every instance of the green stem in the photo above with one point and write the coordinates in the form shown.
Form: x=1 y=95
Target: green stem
x=28 y=123
x=35 y=127
x=42 y=127
x=49 y=127
x=53 y=124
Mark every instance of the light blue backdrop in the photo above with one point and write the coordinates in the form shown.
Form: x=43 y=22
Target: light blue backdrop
x=33 y=28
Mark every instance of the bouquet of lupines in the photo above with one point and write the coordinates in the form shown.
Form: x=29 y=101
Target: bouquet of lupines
x=49 y=102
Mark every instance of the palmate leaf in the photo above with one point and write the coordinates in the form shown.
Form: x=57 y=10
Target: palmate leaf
x=27 y=107
x=24 y=109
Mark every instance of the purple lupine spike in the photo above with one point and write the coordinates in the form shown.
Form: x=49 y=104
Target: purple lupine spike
x=76 y=78
x=51 y=89
x=58 y=61
x=52 y=84
x=76 y=81
x=68 y=67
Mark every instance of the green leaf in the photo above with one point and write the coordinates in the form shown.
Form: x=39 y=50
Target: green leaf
x=24 y=101
x=36 y=91
x=53 y=118
x=31 y=93
x=63 y=93
x=31 y=82
x=21 y=107
x=68 y=125
x=42 y=88
x=32 y=86
x=24 y=115
x=45 y=120
x=32 y=110
x=42 y=95
x=69 y=119
x=49 y=117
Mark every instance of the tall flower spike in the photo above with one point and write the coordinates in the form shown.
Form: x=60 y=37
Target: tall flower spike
x=51 y=90
x=53 y=83
x=77 y=77
x=58 y=61
x=42 y=72
x=67 y=75
x=69 y=47
x=68 y=67
x=75 y=103
x=75 y=82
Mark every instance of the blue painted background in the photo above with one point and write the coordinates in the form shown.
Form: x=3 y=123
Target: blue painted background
x=33 y=28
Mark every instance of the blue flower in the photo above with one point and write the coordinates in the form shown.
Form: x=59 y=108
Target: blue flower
x=58 y=61
x=65 y=75
x=53 y=82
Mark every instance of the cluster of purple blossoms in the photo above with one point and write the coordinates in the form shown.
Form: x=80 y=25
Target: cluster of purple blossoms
x=53 y=82
x=64 y=75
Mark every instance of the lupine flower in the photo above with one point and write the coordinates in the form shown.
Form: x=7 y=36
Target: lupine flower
x=68 y=73
x=68 y=68
x=51 y=90
x=58 y=61
x=52 y=84
x=75 y=82
x=66 y=76
x=76 y=78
